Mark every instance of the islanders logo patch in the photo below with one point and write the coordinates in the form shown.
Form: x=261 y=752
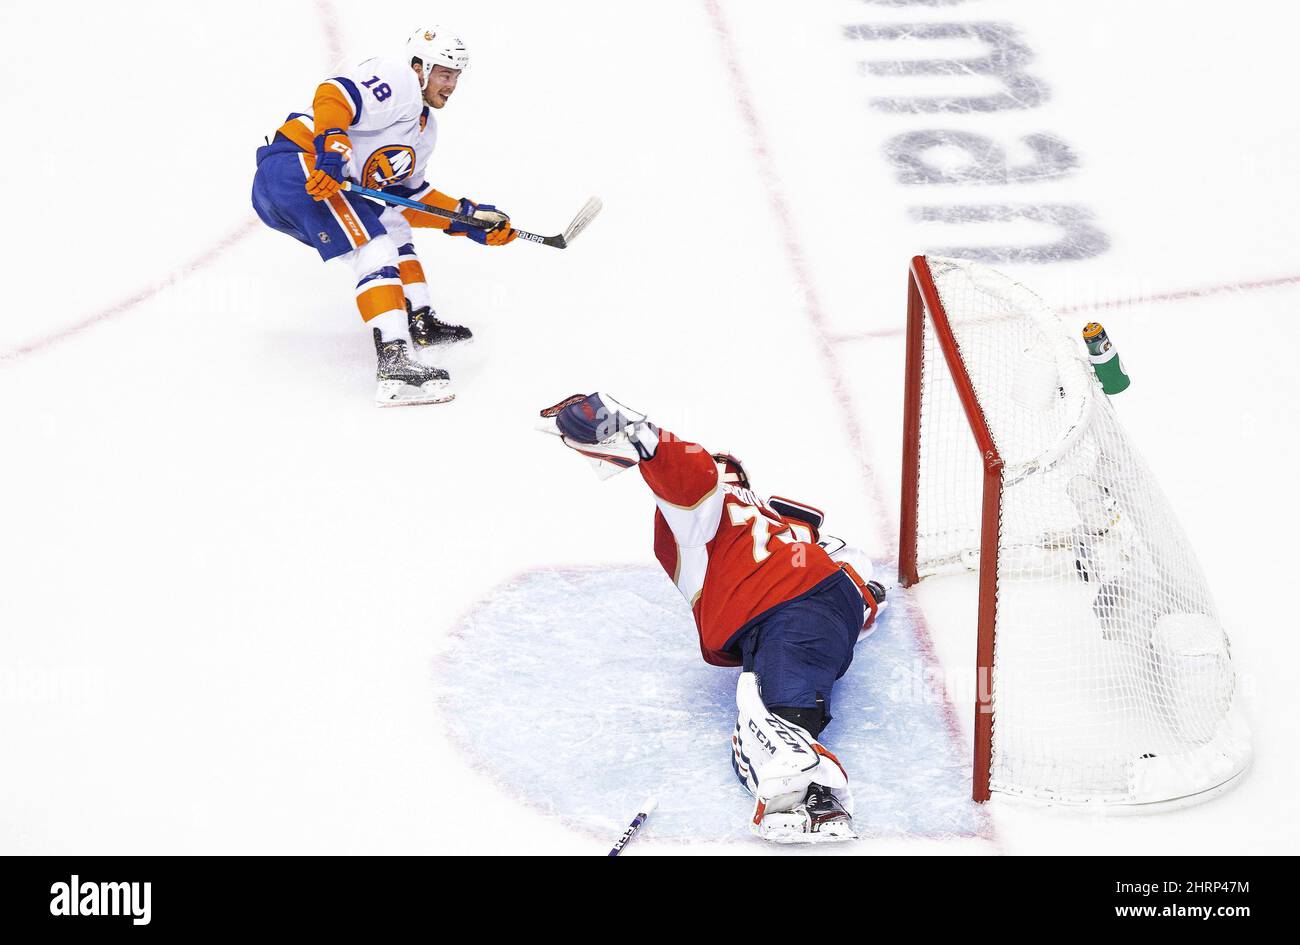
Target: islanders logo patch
x=388 y=165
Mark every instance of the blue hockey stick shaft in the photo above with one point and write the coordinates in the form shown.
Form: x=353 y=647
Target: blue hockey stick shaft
x=413 y=205
x=557 y=241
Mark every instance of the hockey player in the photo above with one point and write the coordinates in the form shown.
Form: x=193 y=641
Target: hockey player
x=374 y=124
x=766 y=596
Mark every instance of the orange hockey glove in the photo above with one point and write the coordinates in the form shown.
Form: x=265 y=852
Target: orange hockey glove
x=333 y=149
x=500 y=231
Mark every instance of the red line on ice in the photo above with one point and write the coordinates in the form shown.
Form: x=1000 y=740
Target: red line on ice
x=205 y=258
x=1182 y=294
x=1101 y=305
x=329 y=26
x=795 y=254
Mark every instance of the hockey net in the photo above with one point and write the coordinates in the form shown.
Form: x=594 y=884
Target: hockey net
x=1104 y=674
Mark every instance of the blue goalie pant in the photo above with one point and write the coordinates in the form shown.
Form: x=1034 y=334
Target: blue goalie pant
x=799 y=648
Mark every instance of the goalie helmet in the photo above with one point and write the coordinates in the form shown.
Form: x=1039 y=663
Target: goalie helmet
x=437 y=46
x=732 y=470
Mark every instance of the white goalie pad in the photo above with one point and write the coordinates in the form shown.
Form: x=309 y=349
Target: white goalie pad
x=777 y=761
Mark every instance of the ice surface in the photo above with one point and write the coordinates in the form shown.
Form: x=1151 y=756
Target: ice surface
x=219 y=555
x=583 y=691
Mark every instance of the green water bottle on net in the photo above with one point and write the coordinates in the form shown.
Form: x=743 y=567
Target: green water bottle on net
x=1105 y=359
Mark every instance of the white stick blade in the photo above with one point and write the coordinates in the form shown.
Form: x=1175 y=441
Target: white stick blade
x=585 y=216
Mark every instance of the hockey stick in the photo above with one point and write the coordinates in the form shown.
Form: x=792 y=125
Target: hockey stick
x=646 y=810
x=559 y=241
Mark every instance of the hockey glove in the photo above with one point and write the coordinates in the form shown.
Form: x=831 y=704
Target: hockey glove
x=802 y=513
x=333 y=149
x=498 y=231
x=599 y=427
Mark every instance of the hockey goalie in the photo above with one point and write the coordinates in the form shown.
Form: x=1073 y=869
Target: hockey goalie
x=766 y=596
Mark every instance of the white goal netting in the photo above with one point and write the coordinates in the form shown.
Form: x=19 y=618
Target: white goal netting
x=1112 y=678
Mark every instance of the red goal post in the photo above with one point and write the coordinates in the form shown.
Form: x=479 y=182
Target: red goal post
x=923 y=298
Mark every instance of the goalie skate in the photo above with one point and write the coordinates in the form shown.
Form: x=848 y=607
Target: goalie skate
x=403 y=382
x=819 y=818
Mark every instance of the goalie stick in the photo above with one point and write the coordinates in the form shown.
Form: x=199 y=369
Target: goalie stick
x=559 y=241
x=646 y=809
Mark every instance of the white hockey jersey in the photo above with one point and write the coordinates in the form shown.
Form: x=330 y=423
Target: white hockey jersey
x=393 y=132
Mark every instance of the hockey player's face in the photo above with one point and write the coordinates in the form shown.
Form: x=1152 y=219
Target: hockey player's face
x=442 y=82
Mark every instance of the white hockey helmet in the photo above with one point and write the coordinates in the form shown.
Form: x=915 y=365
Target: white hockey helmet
x=437 y=46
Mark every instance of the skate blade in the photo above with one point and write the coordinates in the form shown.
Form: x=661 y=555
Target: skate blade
x=397 y=394
x=444 y=344
x=798 y=836
x=786 y=828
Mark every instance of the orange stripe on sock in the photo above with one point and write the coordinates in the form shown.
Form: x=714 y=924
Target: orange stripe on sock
x=411 y=271
x=380 y=299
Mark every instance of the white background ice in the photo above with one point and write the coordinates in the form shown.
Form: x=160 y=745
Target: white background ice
x=229 y=581
x=631 y=710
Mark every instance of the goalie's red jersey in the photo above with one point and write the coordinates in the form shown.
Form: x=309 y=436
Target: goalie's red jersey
x=729 y=554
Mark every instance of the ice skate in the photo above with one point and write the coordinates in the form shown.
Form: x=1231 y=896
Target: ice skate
x=819 y=818
x=427 y=330
x=404 y=382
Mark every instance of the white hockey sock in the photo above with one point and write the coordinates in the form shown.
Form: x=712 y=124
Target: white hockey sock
x=392 y=325
x=417 y=293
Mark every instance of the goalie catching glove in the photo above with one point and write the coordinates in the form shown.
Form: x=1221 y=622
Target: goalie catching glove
x=602 y=429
